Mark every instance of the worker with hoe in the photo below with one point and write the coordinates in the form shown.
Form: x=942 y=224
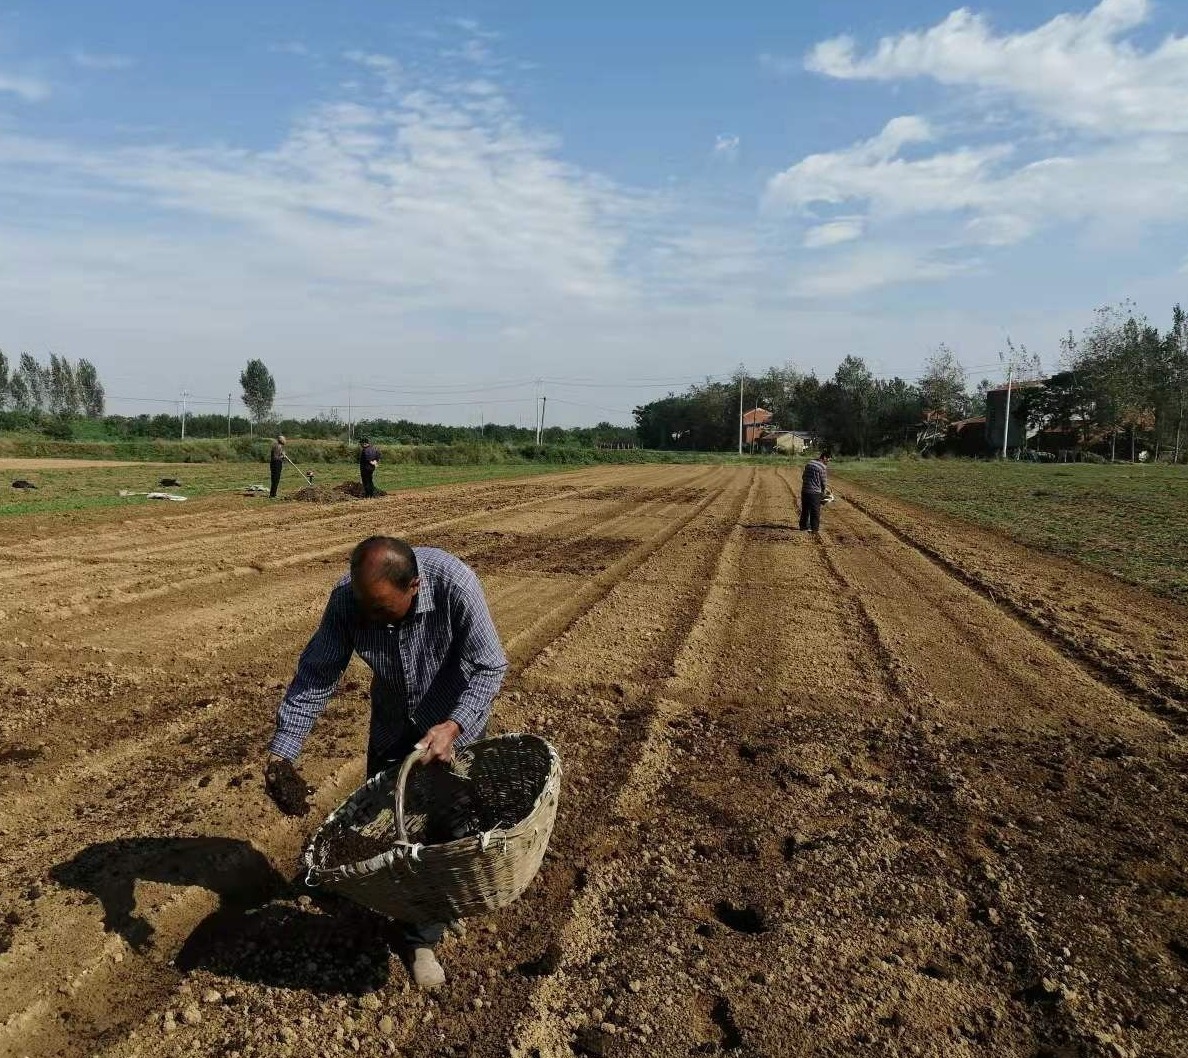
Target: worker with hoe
x=276 y=463
x=368 y=461
x=813 y=487
x=418 y=617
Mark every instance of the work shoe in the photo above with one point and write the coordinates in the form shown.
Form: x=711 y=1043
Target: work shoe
x=425 y=970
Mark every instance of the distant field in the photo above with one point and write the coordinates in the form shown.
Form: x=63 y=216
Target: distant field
x=64 y=485
x=1128 y=519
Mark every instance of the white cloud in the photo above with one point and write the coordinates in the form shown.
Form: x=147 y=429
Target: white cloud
x=1092 y=134
x=1000 y=229
x=291 y=47
x=30 y=89
x=444 y=200
x=726 y=147
x=833 y=232
x=870 y=268
x=1077 y=71
x=871 y=171
x=90 y=60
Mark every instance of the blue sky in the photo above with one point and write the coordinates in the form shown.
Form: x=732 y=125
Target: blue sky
x=437 y=206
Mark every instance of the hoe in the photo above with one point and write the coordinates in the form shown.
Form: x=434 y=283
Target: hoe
x=307 y=474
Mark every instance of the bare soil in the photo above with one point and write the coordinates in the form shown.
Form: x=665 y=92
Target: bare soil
x=904 y=788
x=345 y=490
x=28 y=463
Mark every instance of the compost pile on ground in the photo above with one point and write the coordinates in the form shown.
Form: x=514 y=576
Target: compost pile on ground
x=346 y=490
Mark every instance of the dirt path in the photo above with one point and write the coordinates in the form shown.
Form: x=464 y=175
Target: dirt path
x=822 y=797
x=29 y=463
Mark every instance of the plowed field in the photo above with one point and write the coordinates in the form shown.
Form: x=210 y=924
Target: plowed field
x=905 y=788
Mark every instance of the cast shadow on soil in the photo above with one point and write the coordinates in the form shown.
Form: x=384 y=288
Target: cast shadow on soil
x=257 y=933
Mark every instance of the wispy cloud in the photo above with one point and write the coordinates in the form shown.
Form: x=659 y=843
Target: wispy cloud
x=446 y=200
x=873 y=267
x=90 y=60
x=726 y=147
x=831 y=233
x=290 y=47
x=30 y=89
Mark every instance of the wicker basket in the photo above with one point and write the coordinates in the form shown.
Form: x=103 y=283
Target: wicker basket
x=455 y=841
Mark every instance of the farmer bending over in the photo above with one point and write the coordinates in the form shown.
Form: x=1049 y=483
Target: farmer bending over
x=417 y=616
x=813 y=487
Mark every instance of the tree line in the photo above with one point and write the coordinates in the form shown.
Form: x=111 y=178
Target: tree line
x=1121 y=380
x=59 y=388
x=383 y=431
x=854 y=412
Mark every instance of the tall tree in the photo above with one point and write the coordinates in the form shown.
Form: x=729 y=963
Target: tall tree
x=4 y=394
x=63 y=393
x=943 y=385
x=259 y=390
x=1177 y=353
x=91 y=394
x=35 y=384
x=977 y=403
x=852 y=409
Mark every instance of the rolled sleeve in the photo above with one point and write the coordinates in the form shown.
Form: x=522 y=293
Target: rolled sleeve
x=322 y=664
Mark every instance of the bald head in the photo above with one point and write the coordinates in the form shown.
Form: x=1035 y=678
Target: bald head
x=384 y=577
x=385 y=558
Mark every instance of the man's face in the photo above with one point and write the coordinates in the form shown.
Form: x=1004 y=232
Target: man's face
x=381 y=601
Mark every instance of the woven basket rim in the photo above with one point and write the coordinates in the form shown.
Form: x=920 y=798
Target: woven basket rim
x=318 y=875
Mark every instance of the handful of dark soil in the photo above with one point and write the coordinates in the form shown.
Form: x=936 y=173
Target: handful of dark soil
x=288 y=790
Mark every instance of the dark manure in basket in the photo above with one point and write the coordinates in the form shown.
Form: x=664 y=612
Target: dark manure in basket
x=342 y=845
x=441 y=807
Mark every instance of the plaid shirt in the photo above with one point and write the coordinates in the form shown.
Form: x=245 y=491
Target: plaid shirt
x=442 y=662
x=816 y=477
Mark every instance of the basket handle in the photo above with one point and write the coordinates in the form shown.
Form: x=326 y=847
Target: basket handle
x=401 y=781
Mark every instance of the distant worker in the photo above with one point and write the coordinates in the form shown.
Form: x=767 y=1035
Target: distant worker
x=813 y=487
x=418 y=617
x=276 y=463
x=368 y=460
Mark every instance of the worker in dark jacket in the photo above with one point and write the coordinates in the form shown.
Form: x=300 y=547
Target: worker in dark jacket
x=813 y=487
x=368 y=461
x=276 y=463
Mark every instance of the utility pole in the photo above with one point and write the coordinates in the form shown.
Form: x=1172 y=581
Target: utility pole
x=1006 y=429
x=350 y=420
x=185 y=394
x=540 y=427
x=741 y=376
x=228 y=416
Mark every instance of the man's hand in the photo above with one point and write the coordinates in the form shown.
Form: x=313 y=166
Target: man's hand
x=283 y=783
x=438 y=743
